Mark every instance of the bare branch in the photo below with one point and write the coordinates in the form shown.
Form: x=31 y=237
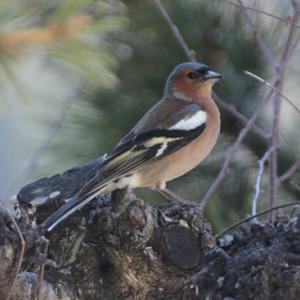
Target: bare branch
x=296 y=186
x=247 y=219
x=273 y=88
x=188 y=52
x=289 y=173
x=285 y=20
x=243 y=133
x=261 y=164
x=280 y=71
x=230 y=108
x=260 y=42
x=235 y=146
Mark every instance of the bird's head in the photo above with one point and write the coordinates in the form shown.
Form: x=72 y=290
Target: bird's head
x=190 y=79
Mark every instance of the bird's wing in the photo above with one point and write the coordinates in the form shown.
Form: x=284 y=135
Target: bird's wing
x=144 y=144
x=164 y=115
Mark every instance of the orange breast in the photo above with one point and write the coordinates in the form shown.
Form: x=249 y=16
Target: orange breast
x=183 y=160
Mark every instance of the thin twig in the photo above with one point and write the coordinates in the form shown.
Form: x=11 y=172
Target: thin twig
x=240 y=117
x=42 y=270
x=289 y=173
x=296 y=186
x=261 y=164
x=188 y=52
x=243 y=133
x=22 y=251
x=280 y=72
x=247 y=219
x=51 y=132
x=273 y=88
x=260 y=11
x=260 y=42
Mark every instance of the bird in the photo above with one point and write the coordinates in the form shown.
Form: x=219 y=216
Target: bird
x=171 y=139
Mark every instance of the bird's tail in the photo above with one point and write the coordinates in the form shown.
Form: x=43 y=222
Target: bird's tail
x=73 y=204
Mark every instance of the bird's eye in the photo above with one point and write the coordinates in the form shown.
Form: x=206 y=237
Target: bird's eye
x=192 y=75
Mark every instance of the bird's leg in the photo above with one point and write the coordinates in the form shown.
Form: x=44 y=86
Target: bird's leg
x=119 y=199
x=169 y=195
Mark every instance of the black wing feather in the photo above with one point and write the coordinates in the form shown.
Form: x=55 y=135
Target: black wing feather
x=146 y=155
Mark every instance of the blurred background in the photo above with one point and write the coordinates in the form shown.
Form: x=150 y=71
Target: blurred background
x=75 y=75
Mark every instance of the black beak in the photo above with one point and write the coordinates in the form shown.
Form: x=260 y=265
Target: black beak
x=212 y=75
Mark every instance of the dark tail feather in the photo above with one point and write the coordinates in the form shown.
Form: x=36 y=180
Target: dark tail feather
x=65 y=211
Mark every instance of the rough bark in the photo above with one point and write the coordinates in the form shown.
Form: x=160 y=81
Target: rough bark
x=135 y=251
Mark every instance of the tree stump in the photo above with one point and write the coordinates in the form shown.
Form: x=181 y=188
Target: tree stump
x=140 y=252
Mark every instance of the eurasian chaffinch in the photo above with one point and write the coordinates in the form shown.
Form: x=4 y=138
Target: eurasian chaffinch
x=172 y=138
